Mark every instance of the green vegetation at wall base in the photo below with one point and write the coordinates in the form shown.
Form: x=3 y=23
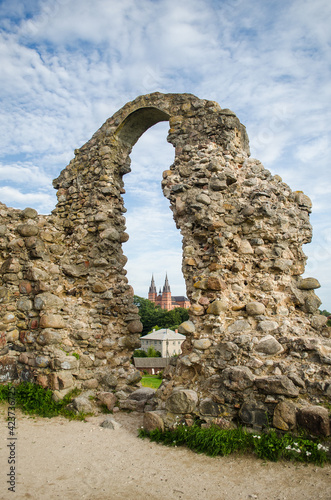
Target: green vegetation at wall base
x=214 y=441
x=33 y=399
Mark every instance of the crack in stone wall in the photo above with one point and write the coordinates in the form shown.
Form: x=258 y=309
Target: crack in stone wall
x=256 y=345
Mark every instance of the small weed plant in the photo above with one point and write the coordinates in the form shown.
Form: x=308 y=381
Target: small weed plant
x=214 y=441
x=33 y=399
x=104 y=409
x=75 y=354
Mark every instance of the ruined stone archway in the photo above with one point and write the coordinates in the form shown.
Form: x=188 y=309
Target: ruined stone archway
x=68 y=317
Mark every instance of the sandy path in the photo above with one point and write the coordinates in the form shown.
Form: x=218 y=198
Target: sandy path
x=81 y=460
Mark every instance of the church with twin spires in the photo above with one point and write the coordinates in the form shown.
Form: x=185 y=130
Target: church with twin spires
x=164 y=299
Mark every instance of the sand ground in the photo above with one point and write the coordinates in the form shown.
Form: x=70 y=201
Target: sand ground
x=61 y=459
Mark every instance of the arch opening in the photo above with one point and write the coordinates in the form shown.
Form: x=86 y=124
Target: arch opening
x=154 y=245
x=136 y=123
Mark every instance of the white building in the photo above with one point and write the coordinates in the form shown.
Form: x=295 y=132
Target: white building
x=166 y=341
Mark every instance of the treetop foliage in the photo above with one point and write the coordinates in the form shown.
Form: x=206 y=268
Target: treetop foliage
x=153 y=316
x=326 y=313
x=151 y=353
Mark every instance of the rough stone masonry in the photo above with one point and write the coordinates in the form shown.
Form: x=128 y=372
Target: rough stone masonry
x=257 y=349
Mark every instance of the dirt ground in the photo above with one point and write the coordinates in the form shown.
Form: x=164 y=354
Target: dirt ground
x=61 y=459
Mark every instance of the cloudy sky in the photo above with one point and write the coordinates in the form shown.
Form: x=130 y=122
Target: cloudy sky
x=67 y=65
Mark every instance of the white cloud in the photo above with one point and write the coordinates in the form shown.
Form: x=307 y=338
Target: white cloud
x=316 y=147
x=25 y=174
x=14 y=198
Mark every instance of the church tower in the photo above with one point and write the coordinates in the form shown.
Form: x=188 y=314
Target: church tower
x=164 y=299
x=166 y=295
x=152 y=294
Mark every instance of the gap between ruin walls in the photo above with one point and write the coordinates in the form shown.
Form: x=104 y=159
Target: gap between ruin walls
x=257 y=349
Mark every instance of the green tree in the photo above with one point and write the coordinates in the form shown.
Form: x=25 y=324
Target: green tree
x=326 y=313
x=153 y=316
x=153 y=353
x=148 y=312
x=172 y=319
x=139 y=353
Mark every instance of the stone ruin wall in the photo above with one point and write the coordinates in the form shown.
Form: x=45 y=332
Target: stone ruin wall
x=257 y=349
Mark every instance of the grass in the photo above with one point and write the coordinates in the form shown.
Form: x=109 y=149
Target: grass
x=33 y=399
x=152 y=381
x=214 y=441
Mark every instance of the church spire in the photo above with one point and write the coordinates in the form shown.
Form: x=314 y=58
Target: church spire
x=152 y=291
x=166 y=295
x=166 y=287
x=152 y=288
